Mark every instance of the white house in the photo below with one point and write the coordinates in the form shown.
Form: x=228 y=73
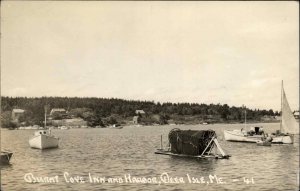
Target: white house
x=140 y=112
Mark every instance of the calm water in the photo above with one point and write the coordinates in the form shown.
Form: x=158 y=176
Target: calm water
x=113 y=153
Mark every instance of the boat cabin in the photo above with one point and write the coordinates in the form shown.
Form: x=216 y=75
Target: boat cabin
x=41 y=132
x=256 y=131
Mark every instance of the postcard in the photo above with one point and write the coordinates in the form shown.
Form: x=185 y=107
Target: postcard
x=149 y=95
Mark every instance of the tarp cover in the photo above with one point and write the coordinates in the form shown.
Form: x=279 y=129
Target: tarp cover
x=190 y=142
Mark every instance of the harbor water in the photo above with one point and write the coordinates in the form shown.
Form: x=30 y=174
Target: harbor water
x=123 y=158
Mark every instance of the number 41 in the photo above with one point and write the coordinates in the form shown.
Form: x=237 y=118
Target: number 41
x=248 y=181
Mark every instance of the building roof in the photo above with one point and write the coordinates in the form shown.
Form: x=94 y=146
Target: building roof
x=139 y=112
x=18 y=110
x=296 y=113
x=57 y=110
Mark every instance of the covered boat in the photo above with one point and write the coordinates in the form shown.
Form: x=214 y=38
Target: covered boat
x=193 y=143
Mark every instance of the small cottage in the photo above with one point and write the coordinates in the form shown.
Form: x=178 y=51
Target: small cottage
x=16 y=114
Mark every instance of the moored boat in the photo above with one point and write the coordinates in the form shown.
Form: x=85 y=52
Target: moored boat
x=288 y=124
x=5 y=157
x=264 y=143
x=116 y=126
x=43 y=139
x=194 y=144
x=281 y=138
x=251 y=136
x=242 y=136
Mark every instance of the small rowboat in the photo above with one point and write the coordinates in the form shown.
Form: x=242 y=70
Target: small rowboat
x=264 y=143
x=5 y=157
x=116 y=126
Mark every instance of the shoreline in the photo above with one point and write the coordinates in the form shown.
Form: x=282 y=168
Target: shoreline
x=145 y=125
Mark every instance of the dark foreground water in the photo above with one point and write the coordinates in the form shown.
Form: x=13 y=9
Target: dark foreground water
x=114 y=155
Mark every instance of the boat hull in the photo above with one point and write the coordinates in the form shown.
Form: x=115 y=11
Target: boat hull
x=43 y=142
x=284 y=139
x=238 y=136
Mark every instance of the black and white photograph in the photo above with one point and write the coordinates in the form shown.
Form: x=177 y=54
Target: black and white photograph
x=149 y=95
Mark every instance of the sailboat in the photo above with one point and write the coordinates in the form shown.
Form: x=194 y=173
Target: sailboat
x=43 y=139
x=288 y=124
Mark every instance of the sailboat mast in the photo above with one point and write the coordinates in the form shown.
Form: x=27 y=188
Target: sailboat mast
x=45 y=117
x=245 y=117
x=245 y=123
x=281 y=106
x=46 y=109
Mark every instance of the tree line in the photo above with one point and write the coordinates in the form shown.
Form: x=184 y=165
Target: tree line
x=96 y=110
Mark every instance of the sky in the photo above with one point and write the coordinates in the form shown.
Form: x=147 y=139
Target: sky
x=234 y=53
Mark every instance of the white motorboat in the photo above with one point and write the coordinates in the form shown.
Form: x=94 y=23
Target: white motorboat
x=242 y=136
x=254 y=135
x=43 y=139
